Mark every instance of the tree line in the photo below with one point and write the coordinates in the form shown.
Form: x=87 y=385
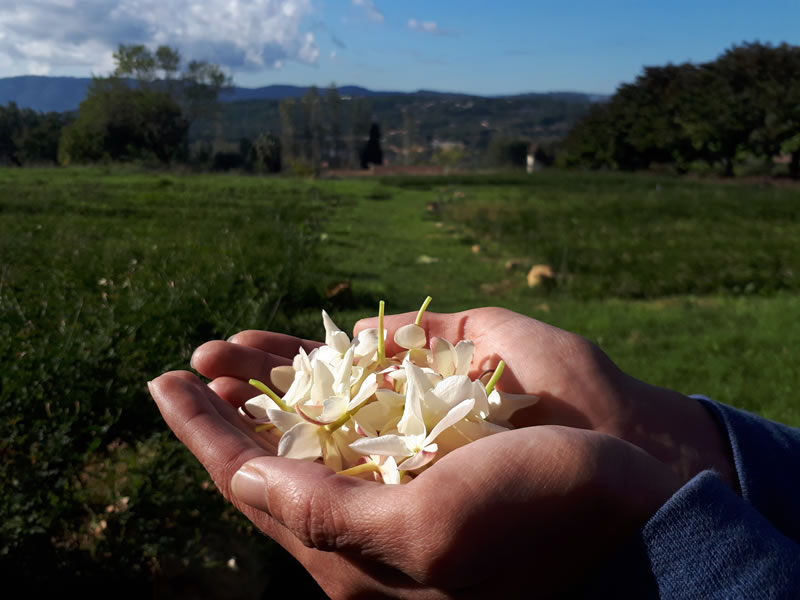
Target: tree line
x=743 y=105
x=145 y=108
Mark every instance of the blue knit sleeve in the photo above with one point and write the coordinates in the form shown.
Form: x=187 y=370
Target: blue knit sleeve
x=708 y=542
x=767 y=459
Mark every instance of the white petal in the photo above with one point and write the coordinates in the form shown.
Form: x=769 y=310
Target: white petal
x=416 y=386
x=410 y=336
x=366 y=390
x=456 y=414
x=301 y=441
x=331 y=456
x=502 y=406
x=389 y=471
x=420 y=459
x=283 y=420
x=367 y=342
x=390 y=398
x=377 y=417
x=420 y=357
x=334 y=337
x=482 y=408
x=454 y=390
x=333 y=408
x=385 y=445
x=282 y=378
x=341 y=383
x=464 y=351
x=322 y=386
x=259 y=406
x=443 y=357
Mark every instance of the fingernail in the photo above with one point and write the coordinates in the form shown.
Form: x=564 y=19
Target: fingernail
x=191 y=362
x=150 y=387
x=249 y=487
x=230 y=339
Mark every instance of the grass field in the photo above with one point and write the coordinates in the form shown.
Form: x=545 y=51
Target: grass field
x=108 y=278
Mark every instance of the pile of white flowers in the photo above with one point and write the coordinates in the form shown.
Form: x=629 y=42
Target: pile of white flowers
x=362 y=412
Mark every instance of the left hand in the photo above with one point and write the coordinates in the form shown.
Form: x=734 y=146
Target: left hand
x=514 y=514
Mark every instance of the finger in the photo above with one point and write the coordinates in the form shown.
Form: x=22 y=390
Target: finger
x=221 y=448
x=275 y=343
x=224 y=359
x=186 y=405
x=332 y=512
x=234 y=391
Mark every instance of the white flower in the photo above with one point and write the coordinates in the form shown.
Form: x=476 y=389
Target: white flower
x=360 y=412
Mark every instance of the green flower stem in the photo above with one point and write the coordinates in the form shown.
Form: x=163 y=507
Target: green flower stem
x=331 y=427
x=275 y=398
x=422 y=310
x=495 y=377
x=367 y=467
x=381 y=341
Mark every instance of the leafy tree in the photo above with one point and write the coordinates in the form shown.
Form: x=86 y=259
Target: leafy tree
x=361 y=123
x=745 y=101
x=334 y=102
x=287 y=110
x=134 y=114
x=312 y=126
x=268 y=153
x=28 y=137
x=121 y=123
x=505 y=152
x=372 y=154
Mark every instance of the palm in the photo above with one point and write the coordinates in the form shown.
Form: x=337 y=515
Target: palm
x=459 y=525
x=577 y=384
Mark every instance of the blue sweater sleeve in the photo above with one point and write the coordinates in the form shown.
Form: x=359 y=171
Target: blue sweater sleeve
x=707 y=541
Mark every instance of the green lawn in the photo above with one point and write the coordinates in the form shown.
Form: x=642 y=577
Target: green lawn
x=109 y=277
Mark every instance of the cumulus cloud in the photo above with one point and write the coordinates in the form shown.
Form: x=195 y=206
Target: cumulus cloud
x=424 y=26
x=372 y=11
x=239 y=34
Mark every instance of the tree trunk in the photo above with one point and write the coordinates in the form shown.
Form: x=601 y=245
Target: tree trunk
x=728 y=172
x=794 y=165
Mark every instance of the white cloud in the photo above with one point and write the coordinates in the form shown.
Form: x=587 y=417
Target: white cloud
x=238 y=34
x=424 y=26
x=373 y=13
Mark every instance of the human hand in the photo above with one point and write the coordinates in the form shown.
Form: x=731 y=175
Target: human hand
x=579 y=386
x=514 y=514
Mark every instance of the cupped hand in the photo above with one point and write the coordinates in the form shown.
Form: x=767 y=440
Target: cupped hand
x=579 y=386
x=517 y=514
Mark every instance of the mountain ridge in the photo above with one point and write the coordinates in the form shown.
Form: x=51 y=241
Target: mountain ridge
x=44 y=93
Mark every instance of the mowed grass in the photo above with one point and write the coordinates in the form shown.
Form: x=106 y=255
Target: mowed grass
x=689 y=285
x=110 y=277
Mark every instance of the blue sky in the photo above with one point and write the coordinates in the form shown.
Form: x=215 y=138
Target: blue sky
x=470 y=46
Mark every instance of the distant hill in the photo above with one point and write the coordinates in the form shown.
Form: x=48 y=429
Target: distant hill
x=60 y=94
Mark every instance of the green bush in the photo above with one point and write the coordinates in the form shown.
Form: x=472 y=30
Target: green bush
x=106 y=282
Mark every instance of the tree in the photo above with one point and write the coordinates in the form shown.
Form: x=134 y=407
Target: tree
x=121 y=123
x=312 y=127
x=361 y=120
x=268 y=153
x=372 y=153
x=135 y=114
x=28 y=137
x=334 y=102
x=286 y=110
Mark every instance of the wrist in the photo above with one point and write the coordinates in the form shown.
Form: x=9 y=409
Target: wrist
x=677 y=430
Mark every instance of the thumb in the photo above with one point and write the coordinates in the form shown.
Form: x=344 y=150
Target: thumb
x=323 y=510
